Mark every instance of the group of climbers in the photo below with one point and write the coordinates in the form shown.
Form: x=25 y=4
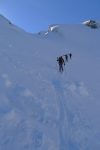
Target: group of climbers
x=61 y=61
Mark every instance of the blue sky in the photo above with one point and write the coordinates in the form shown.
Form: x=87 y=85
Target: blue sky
x=36 y=15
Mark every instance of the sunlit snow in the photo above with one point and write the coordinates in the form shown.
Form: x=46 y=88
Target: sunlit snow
x=41 y=108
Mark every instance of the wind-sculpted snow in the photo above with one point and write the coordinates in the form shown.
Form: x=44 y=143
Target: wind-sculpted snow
x=42 y=122
x=40 y=108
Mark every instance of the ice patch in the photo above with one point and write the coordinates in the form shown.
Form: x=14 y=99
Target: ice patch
x=78 y=89
x=27 y=93
x=72 y=88
x=5 y=76
x=12 y=117
x=8 y=83
x=82 y=89
x=10 y=46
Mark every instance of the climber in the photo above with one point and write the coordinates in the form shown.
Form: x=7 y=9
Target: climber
x=61 y=62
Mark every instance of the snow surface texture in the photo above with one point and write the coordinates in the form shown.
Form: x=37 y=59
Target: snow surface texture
x=40 y=108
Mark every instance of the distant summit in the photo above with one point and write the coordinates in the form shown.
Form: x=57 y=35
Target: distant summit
x=92 y=24
x=53 y=28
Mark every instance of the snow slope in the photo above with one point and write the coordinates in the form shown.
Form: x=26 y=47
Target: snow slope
x=40 y=108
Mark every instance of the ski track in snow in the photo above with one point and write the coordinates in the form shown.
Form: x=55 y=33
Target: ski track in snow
x=19 y=114
x=71 y=124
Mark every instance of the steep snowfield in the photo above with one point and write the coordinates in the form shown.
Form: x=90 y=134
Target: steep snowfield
x=40 y=108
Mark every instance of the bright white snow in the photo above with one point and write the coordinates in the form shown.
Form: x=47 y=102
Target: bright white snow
x=40 y=108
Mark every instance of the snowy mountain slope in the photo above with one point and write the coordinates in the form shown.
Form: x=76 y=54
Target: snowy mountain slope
x=39 y=107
